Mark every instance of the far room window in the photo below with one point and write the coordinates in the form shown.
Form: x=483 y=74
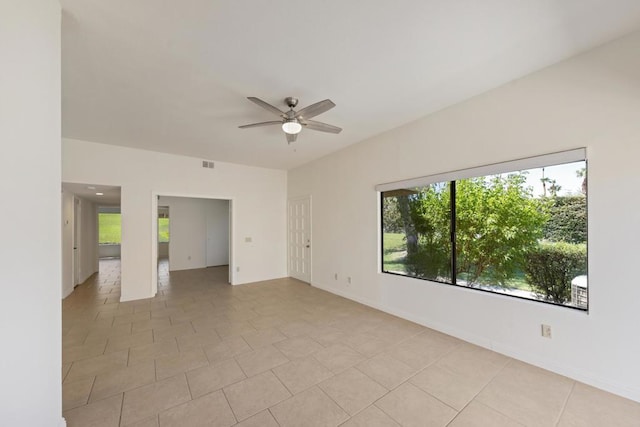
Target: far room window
x=517 y=228
x=163 y=228
x=109 y=228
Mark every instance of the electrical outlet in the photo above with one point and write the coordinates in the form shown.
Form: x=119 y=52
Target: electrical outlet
x=189 y=258
x=237 y=269
x=335 y=276
x=546 y=331
x=349 y=280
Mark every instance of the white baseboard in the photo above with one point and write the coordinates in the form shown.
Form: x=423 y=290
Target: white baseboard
x=129 y=297
x=62 y=423
x=351 y=297
x=66 y=292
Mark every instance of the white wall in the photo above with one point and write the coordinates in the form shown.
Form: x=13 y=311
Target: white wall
x=198 y=232
x=187 y=232
x=590 y=101
x=259 y=205
x=30 y=319
x=109 y=251
x=217 y=218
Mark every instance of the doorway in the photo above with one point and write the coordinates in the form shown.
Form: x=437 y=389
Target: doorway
x=85 y=237
x=299 y=238
x=164 y=235
x=197 y=233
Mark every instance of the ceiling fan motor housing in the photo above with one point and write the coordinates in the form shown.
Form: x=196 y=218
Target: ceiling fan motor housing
x=291 y=101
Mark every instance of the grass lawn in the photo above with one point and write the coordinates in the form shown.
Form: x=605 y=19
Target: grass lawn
x=163 y=230
x=395 y=251
x=519 y=282
x=109 y=228
x=516 y=282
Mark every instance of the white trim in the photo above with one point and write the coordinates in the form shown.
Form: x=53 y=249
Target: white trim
x=66 y=292
x=492 y=169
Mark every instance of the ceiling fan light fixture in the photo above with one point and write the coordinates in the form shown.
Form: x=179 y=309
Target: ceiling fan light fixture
x=291 y=126
x=293 y=121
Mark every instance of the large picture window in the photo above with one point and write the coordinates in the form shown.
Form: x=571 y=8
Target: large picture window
x=517 y=230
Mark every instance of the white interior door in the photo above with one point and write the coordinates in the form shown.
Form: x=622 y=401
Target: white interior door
x=299 y=239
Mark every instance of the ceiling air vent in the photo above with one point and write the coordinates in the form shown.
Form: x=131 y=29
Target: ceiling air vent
x=207 y=164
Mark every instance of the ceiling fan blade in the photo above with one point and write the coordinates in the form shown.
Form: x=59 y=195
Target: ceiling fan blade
x=291 y=137
x=255 y=125
x=322 y=127
x=267 y=106
x=315 y=109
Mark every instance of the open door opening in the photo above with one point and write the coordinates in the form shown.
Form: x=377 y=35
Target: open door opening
x=192 y=233
x=164 y=239
x=91 y=231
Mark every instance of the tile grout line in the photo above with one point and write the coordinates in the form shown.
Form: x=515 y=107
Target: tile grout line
x=363 y=409
x=408 y=379
x=273 y=416
x=566 y=401
x=473 y=399
x=121 y=408
x=509 y=362
x=93 y=384
x=228 y=403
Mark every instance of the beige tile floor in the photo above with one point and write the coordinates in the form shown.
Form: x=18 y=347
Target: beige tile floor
x=282 y=353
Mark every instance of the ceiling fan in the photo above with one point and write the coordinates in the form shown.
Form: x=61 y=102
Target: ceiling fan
x=293 y=121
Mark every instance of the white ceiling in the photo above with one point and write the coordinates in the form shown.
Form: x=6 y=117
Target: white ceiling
x=173 y=76
x=110 y=195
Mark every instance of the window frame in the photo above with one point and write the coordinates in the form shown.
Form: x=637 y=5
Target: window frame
x=452 y=178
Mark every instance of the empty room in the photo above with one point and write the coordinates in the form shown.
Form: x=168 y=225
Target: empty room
x=420 y=213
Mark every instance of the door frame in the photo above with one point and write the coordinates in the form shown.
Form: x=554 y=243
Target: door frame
x=154 y=232
x=77 y=241
x=309 y=231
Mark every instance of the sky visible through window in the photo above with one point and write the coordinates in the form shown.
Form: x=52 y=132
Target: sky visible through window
x=564 y=175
